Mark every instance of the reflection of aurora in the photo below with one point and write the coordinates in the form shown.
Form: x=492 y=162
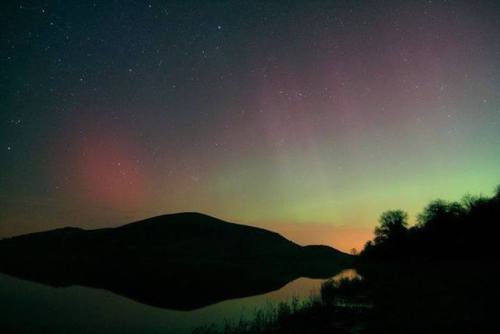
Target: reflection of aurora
x=349 y=274
x=102 y=306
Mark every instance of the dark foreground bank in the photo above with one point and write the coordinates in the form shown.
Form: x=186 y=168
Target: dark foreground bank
x=430 y=297
x=438 y=276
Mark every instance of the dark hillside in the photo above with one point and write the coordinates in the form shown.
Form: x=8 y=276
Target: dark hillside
x=183 y=260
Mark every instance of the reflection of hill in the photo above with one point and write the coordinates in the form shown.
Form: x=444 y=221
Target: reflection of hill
x=180 y=261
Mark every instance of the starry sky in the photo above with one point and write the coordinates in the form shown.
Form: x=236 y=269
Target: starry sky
x=308 y=118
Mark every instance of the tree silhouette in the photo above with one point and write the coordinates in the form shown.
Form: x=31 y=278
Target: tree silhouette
x=497 y=193
x=440 y=213
x=393 y=226
x=445 y=230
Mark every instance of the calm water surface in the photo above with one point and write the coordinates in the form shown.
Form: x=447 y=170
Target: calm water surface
x=36 y=308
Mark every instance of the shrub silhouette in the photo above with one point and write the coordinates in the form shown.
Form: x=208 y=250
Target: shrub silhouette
x=333 y=292
x=329 y=292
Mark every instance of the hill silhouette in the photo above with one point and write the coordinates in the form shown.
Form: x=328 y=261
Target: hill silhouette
x=178 y=261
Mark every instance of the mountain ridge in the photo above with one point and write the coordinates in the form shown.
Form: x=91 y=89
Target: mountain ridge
x=153 y=259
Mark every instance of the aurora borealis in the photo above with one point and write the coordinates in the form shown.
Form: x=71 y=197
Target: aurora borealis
x=306 y=118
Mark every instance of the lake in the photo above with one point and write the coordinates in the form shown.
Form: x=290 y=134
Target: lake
x=31 y=307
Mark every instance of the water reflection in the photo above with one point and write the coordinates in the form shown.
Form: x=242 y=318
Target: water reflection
x=349 y=274
x=36 y=308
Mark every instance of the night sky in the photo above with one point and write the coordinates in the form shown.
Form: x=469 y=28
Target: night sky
x=306 y=118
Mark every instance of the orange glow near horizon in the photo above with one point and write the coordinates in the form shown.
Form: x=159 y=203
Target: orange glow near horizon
x=343 y=238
